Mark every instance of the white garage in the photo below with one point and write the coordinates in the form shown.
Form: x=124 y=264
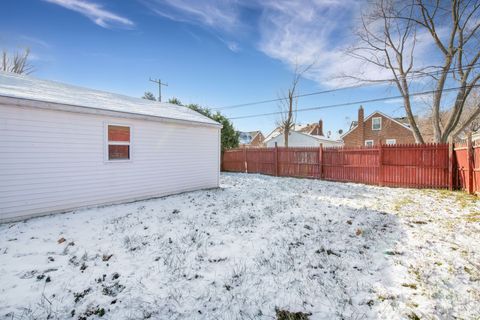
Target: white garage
x=65 y=147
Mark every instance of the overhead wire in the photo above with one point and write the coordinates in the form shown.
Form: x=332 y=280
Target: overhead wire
x=376 y=83
x=344 y=104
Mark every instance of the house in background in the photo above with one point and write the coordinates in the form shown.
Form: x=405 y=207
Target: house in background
x=426 y=129
x=308 y=135
x=463 y=136
x=66 y=147
x=251 y=139
x=476 y=136
x=315 y=129
x=377 y=128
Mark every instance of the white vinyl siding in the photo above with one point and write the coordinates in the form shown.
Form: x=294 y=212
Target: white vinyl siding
x=54 y=161
x=109 y=155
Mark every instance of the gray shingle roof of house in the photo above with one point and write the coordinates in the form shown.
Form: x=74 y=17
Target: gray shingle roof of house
x=30 y=88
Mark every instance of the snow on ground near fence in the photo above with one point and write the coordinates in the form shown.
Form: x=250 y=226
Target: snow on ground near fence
x=259 y=243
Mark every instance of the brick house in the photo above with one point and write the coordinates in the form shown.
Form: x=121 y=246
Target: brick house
x=377 y=128
x=251 y=139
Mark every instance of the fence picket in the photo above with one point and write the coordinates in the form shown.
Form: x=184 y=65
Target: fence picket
x=435 y=165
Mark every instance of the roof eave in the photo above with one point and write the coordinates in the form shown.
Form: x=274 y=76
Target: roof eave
x=320 y=138
x=25 y=102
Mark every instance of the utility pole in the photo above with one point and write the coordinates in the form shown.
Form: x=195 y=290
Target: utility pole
x=160 y=84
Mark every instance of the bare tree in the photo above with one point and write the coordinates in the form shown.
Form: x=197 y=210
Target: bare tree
x=465 y=125
x=17 y=62
x=388 y=38
x=289 y=103
x=470 y=120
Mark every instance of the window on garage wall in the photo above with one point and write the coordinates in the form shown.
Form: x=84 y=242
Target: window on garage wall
x=118 y=142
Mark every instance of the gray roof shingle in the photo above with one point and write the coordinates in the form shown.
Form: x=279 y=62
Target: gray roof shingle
x=30 y=88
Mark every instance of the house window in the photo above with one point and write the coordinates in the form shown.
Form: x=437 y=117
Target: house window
x=391 y=141
x=377 y=123
x=368 y=143
x=118 y=144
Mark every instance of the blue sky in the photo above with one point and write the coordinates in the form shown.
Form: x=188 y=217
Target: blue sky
x=214 y=52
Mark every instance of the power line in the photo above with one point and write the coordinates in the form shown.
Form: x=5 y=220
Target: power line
x=476 y=65
x=297 y=96
x=160 y=84
x=352 y=103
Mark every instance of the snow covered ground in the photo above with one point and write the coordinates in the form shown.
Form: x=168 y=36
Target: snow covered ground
x=255 y=245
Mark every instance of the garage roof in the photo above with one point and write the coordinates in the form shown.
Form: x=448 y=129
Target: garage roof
x=33 y=89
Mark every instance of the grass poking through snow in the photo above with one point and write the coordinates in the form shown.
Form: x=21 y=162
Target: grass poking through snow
x=257 y=248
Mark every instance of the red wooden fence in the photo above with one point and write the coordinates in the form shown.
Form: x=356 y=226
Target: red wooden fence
x=467 y=171
x=416 y=166
x=476 y=167
x=352 y=164
x=411 y=165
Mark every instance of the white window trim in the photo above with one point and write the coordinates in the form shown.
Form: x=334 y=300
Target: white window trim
x=393 y=141
x=366 y=141
x=373 y=121
x=117 y=143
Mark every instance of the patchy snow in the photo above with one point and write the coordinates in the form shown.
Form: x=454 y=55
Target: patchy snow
x=256 y=244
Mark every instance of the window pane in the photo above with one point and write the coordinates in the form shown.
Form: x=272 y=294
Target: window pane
x=391 y=141
x=119 y=133
x=118 y=152
x=376 y=123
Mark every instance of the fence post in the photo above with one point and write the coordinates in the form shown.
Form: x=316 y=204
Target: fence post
x=221 y=161
x=450 y=163
x=276 y=159
x=245 y=166
x=469 y=164
x=320 y=162
x=380 y=165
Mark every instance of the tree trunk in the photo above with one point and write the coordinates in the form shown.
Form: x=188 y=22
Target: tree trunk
x=437 y=98
x=411 y=119
x=408 y=110
x=286 y=133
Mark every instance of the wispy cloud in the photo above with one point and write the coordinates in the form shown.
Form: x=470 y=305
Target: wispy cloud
x=231 y=45
x=40 y=50
x=310 y=31
x=290 y=31
x=212 y=13
x=94 y=12
x=220 y=16
x=35 y=41
x=303 y=31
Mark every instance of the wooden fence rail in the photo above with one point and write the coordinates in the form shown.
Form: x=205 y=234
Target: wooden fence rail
x=403 y=165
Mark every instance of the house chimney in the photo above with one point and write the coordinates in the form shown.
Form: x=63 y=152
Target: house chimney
x=320 y=128
x=361 y=125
